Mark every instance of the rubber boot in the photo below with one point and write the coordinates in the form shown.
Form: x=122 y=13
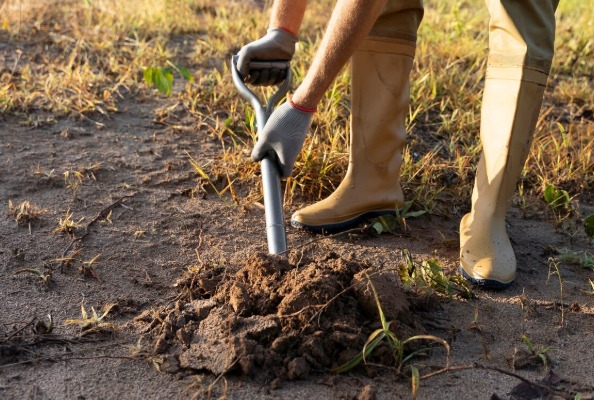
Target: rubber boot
x=486 y=255
x=521 y=44
x=380 y=88
x=380 y=101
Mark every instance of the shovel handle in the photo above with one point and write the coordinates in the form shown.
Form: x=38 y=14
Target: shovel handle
x=273 y=202
x=262 y=111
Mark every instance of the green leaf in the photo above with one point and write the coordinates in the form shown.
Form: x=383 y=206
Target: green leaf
x=589 y=226
x=148 y=76
x=379 y=227
x=372 y=342
x=556 y=197
x=370 y=345
x=159 y=78
x=184 y=73
x=414 y=214
x=528 y=343
x=352 y=363
x=405 y=207
x=384 y=224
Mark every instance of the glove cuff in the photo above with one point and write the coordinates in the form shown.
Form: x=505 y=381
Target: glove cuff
x=301 y=108
x=282 y=28
x=284 y=33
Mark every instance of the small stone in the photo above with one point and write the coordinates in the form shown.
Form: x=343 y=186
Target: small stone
x=161 y=344
x=298 y=368
x=276 y=384
x=368 y=393
x=184 y=335
x=239 y=298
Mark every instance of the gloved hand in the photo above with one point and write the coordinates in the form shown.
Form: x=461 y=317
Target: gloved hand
x=277 y=45
x=283 y=134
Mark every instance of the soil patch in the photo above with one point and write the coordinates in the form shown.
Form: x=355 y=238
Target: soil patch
x=279 y=319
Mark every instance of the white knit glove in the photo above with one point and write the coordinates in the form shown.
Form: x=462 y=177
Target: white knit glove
x=283 y=135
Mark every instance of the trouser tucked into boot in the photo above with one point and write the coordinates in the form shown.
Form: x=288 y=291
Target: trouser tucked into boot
x=521 y=40
x=380 y=88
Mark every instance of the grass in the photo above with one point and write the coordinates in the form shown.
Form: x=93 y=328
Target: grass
x=68 y=225
x=94 y=322
x=25 y=212
x=97 y=52
x=396 y=346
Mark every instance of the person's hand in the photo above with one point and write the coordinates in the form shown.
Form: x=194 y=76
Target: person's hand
x=277 y=45
x=283 y=135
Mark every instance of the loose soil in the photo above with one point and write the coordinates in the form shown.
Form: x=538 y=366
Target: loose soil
x=196 y=307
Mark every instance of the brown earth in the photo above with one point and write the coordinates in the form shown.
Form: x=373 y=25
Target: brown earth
x=195 y=305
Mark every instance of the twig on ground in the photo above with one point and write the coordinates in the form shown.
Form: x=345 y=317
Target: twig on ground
x=13 y=334
x=539 y=385
x=88 y=226
x=67 y=356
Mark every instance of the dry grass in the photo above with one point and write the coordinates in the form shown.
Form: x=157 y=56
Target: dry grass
x=25 y=212
x=84 y=57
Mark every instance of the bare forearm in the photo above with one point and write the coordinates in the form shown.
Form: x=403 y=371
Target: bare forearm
x=288 y=14
x=350 y=23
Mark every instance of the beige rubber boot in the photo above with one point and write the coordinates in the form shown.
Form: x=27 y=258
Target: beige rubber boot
x=380 y=99
x=521 y=43
x=486 y=255
x=380 y=96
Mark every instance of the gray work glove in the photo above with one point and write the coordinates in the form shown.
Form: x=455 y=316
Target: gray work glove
x=277 y=45
x=283 y=135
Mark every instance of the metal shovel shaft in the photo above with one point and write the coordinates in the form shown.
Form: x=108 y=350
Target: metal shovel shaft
x=273 y=202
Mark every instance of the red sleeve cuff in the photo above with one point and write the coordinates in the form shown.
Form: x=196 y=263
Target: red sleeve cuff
x=282 y=28
x=301 y=108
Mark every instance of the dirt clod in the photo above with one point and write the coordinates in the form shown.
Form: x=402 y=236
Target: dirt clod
x=270 y=318
x=298 y=368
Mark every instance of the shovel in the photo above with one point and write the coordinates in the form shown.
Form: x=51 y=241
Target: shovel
x=273 y=203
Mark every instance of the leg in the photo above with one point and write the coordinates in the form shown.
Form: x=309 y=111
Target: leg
x=521 y=40
x=380 y=99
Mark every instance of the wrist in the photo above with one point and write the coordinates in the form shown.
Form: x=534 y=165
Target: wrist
x=285 y=29
x=301 y=107
x=304 y=99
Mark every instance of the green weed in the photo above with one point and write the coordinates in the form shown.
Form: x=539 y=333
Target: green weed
x=389 y=223
x=430 y=275
x=537 y=351
x=395 y=345
x=554 y=270
x=162 y=78
x=581 y=259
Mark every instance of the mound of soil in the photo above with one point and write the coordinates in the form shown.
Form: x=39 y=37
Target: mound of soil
x=278 y=320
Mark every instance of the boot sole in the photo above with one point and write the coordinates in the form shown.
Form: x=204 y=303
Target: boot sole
x=341 y=226
x=485 y=283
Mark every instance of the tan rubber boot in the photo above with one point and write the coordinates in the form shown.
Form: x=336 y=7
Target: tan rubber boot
x=521 y=43
x=380 y=99
x=486 y=255
x=380 y=96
